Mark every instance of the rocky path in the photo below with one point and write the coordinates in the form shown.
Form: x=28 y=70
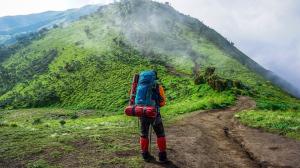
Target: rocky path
x=212 y=139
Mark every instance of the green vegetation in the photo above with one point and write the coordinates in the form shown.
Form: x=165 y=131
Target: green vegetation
x=205 y=98
x=89 y=64
x=48 y=143
x=282 y=122
x=62 y=93
x=54 y=137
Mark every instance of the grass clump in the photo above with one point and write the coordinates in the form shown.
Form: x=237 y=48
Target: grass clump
x=283 y=122
x=37 y=121
x=3 y=124
x=55 y=154
x=277 y=105
x=74 y=116
x=14 y=125
x=39 y=164
x=62 y=123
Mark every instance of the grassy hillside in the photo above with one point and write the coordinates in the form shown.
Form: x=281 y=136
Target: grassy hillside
x=89 y=63
x=69 y=86
x=90 y=68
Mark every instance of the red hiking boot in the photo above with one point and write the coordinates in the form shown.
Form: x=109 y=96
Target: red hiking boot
x=144 y=142
x=162 y=145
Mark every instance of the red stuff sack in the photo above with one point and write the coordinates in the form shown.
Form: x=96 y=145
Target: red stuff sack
x=141 y=111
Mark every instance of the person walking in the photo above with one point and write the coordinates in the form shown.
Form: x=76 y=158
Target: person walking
x=149 y=92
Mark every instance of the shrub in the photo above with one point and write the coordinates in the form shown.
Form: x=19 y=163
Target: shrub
x=13 y=125
x=199 y=80
x=62 y=122
x=74 y=116
x=273 y=105
x=3 y=124
x=36 y=121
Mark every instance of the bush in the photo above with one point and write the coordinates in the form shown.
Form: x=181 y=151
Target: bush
x=3 y=124
x=273 y=105
x=62 y=122
x=74 y=116
x=13 y=125
x=221 y=84
x=37 y=121
x=199 y=80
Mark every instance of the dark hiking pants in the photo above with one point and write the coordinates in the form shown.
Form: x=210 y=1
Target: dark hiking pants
x=157 y=125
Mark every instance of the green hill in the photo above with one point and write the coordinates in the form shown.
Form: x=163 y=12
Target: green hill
x=89 y=63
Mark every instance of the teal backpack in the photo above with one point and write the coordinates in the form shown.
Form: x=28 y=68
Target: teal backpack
x=145 y=93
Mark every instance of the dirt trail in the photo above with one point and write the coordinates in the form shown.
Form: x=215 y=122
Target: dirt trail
x=211 y=139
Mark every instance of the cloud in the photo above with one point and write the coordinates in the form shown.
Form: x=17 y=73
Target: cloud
x=17 y=7
x=21 y=7
x=80 y=3
x=268 y=31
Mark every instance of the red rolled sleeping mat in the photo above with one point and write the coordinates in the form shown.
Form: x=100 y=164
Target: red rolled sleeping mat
x=141 y=111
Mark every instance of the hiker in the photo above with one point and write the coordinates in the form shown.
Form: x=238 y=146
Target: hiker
x=148 y=96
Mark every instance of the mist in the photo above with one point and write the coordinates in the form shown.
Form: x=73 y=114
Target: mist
x=155 y=32
x=160 y=35
x=267 y=31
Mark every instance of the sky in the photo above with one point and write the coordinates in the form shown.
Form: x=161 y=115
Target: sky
x=268 y=31
x=17 y=7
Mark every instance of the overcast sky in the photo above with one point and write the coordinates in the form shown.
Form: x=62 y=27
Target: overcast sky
x=266 y=30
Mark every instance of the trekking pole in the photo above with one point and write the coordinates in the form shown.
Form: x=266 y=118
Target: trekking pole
x=138 y=124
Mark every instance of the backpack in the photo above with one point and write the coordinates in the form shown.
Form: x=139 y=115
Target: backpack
x=146 y=88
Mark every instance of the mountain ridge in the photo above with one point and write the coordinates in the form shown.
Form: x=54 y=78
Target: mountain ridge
x=235 y=53
x=89 y=63
x=12 y=26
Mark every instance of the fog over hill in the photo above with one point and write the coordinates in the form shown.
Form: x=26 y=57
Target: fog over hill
x=267 y=31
